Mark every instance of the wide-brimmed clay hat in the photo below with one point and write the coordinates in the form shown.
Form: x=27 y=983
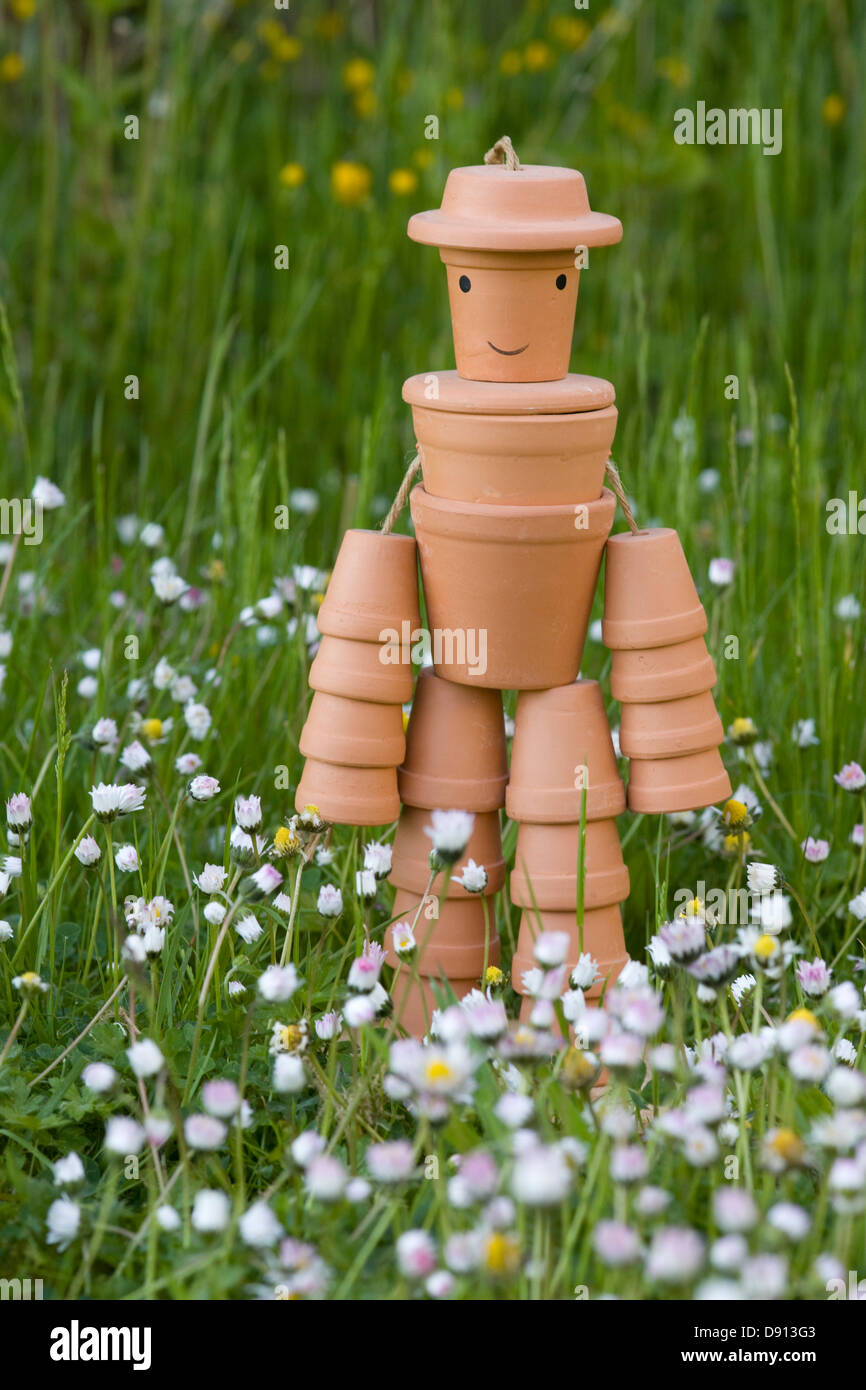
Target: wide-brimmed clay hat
x=536 y=207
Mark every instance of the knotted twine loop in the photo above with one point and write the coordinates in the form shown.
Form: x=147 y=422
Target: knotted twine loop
x=615 y=481
x=402 y=496
x=503 y=152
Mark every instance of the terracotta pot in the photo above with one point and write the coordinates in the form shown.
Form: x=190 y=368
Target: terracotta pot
x=678 y=784
x=574 y=394
x=562 y=744
x=451 y=944
x=508 y=239
x=660 y=673
x=356 y=670
x=650 y=599
x=349 y=795
x=373 y=589
x=354 y=733
x=515 y=460
x=670 y=728
x=456 y=754
x=411 y=855
x=602 y=938
x=545 y=867
x=499 y=575
x=417 y=999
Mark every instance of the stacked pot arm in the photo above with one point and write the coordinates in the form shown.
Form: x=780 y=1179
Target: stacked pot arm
x=353 y=738
x=663 y=675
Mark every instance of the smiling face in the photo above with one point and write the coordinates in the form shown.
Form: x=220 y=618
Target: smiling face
x=512 y=315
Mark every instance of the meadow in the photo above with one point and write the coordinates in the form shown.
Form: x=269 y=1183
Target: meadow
x=208 y=305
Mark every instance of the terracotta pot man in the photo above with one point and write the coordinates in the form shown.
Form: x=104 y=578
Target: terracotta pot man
x=512 y=520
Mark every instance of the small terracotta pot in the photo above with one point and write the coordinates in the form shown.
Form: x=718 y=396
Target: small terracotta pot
x=456 y=754
x=356 y=670
x=373 y=589
x=678 y=784
x=562 y=744
x=662 y=673
x=500 y=575
x=508 y=238
x=417 y=999
x=451 y=944
x=670 y=728
x=545 y=867
x=602 y=938
x=512 y=314
x=411 y=853
x=650 y=599
x=353 y=733
x=349 y=795
x=574 y=394
x=515 y=460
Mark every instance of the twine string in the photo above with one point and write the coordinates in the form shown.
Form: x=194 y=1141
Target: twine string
x=503 y=152
x=615 y=483
x=402 y=495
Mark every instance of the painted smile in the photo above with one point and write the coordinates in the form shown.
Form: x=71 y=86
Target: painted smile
x=506 y=352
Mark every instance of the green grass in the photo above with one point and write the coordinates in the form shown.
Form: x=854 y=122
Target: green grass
x=155 y=258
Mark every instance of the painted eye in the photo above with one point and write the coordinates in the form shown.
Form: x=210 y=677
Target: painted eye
x=465 y=283
x=561 y=282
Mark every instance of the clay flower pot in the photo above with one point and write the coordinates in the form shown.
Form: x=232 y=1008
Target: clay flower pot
x=515 y=460
x=456 y=754
x=678 y=784
x=356 y=670
x=515 y=582
x=660 y=673
x=451 y=944
x=546 y=862
x=508 y=239
x=349 y=795
x=411 y=853
x=650 y=599
x=562 y=744
x=355 y=733
x=670 y=728
x=417 y=999
x=373 y=589
x=602 y=938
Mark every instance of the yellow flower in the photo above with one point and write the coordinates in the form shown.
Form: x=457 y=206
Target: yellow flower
x=357 y=74
x=804 y=1016
x=152 y=729
x=501 y=1253
x=743 y=731
x=350 y=182
x=216 y=572
x=270 y=70
x=787 y=1145
x=329 y=25
x=292 y=175
x=23 y=9
x=511 y=62
x=579 y=1069
x=493 y=976
x=404 y=81
x=437 y=1070
x=286 y=842
x=270 y=30
x=737 y=844
x=423 y=158
x=405 y=713
x=242 y=51
x=454 y=98
x=765 y=948
x=11 y=67
x=402 y=181
x=735 y=813
x=675 y=70
x=833 y=109
x=287 y=49
x=537 y=56
x=568 y=30
x=366 y=103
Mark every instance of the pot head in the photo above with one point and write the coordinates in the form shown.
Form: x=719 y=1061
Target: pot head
x=513 y=241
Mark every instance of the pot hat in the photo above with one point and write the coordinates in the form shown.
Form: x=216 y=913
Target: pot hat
x=535 y=207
